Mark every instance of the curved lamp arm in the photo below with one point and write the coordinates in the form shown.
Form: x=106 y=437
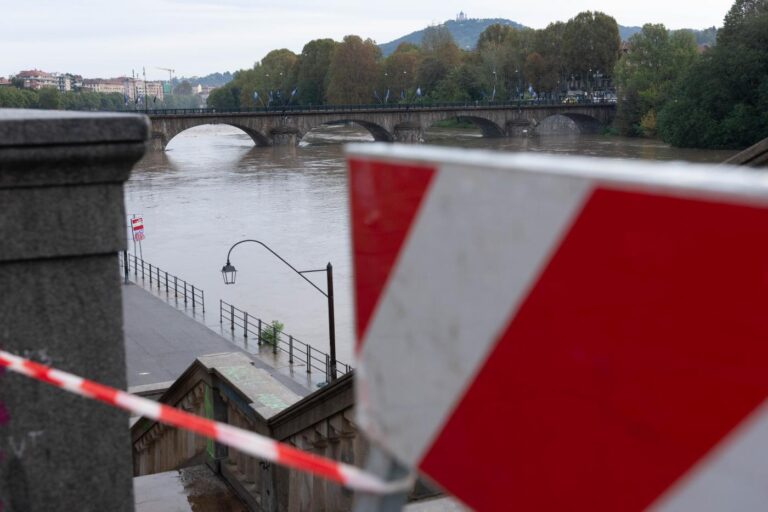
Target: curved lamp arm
x=300 y=272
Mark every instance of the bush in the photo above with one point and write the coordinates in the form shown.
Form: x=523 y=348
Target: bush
x=271 y=334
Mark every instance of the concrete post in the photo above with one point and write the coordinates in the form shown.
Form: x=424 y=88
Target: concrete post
x=62 y=224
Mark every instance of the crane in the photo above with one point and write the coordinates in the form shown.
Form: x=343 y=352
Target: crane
x=170 y=76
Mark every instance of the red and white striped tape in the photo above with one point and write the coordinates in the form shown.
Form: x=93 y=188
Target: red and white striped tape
x=242 y=440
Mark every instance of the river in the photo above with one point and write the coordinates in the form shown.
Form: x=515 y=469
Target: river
x=212 y=187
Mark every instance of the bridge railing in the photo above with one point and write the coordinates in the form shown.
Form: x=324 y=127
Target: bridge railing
x=298 y=352
x=398 y=107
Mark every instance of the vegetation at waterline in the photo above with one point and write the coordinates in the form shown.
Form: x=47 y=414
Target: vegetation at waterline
x=716 y=99
x=721 y=101
x=51 y=98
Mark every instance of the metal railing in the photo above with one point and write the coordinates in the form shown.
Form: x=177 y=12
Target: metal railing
x=300 y=353
x=397 y=107
x=160 y=279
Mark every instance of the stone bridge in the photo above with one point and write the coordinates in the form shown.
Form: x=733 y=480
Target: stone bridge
x=276 y=127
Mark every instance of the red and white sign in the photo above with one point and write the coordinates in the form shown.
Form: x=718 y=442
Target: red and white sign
x=137 y=226
x=545 y=333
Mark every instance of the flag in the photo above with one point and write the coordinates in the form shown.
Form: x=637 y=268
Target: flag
x=402 y=95
x=154 y=100
x=418 y=91
x=376 y=95
x=493 y=94
x=293 y=92
x=125 y=99
x=255 y=95
x=386 y=96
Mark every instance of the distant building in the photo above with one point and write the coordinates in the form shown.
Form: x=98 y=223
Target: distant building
x=131 y=88
x=36 y=79
x=461 y=16
x=4 y=82
x=110 y=85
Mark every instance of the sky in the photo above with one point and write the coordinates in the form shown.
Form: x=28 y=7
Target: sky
x=102 y=39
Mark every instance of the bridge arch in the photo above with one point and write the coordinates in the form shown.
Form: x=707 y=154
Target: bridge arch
x=161 y=138
x=584 y=123
x=378 y=132
x=487 y=127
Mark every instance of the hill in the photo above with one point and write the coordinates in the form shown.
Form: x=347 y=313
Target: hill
x=466 y=32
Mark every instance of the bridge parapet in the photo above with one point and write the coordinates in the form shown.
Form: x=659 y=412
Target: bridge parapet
x=404 y=124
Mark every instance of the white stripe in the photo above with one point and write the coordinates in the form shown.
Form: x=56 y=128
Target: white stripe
x=475 y=248
x=138 y=405
x=362 y=481
x=733 y=476
x=68 y=381
x=247 y=442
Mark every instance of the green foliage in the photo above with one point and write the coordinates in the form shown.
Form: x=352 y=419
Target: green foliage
x=647 y=74
x=48 y=98
x=722 y=100
x=312 y=70
x=354 y=71
x=271 y=334
x=183 y=89
x=591 y=43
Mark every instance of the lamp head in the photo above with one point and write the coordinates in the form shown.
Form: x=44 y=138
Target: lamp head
x=228 y=271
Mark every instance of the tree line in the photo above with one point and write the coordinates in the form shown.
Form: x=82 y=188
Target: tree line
x=666 y=87
x=507 y=64
x=50 y=98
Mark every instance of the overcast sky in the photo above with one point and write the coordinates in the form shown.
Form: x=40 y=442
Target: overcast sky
x=103 y=38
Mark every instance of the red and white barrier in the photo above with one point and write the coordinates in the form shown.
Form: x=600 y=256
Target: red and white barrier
x=242 y=440
x=542 y=333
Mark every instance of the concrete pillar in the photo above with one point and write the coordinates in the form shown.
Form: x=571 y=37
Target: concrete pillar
x=408 y=133
x=521 y=128
x=62 y=223
x=285 y=137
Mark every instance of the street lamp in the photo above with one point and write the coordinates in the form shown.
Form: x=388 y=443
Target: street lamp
x=229 y=272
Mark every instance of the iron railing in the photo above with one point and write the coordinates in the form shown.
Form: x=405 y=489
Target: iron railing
x=160 y=279
x=298 y=352
x=398 y=107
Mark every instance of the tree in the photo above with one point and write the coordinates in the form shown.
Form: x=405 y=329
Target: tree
x=354 y=72
x=312 y=70
x=183 y=89
x=646 y=75
x=48 y=98
x=591 y=44
x=548 y=43
x=399 y=71
x=440 y=57
x=722 y=100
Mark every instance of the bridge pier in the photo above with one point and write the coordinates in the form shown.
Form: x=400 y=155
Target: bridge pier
x=519 y=128
x=285 y=137
x=408 y=133
x=157 y=142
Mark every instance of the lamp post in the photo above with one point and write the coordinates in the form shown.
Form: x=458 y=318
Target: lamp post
x=229 y=272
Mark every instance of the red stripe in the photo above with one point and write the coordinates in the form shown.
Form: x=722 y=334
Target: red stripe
x=304 y=461
x=99 y=392
x=40 y=372
x=384 y=199
x=182 y=419
x=641 y=346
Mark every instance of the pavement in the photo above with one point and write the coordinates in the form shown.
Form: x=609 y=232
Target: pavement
x=161 y=342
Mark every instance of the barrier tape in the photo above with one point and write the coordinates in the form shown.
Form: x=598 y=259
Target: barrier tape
x=243 y=440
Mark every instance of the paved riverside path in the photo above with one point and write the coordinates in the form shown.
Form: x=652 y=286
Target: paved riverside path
x=161 y=342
